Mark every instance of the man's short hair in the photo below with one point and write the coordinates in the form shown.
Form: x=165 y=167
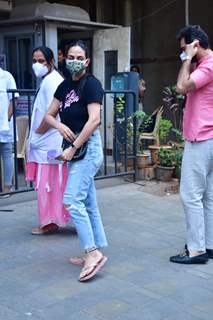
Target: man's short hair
x=192 y=32
x=135 y=67
x=62 y=50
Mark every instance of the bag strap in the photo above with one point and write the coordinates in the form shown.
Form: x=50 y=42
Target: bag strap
x=82 y=83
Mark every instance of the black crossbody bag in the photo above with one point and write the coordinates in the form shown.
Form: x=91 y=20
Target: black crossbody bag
x=81 y=151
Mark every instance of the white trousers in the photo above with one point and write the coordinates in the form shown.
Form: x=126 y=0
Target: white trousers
x=196 y=191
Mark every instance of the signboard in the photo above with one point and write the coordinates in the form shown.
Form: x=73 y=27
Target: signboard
x=22 y=105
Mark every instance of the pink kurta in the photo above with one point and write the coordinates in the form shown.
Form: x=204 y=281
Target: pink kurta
x=50 y=182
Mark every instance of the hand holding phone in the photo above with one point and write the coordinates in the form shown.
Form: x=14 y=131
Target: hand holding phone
x=54 y=154
x=191 y=48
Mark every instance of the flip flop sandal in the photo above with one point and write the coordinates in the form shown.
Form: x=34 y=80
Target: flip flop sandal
x=43 y=230
x=95 y=268
x=37 y=231
x=77 y=261
x=5 y=196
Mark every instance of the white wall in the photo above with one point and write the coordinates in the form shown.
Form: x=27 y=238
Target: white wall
x=104 y=40
x=51 y=38
x=111 y=39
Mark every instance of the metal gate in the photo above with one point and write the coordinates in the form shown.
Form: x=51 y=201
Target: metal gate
x=119 y=160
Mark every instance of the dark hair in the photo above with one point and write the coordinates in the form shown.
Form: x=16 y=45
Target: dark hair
x=47 y=52
x=192 y=32
x=135 y=67
x=79 y=43
x=62 y=50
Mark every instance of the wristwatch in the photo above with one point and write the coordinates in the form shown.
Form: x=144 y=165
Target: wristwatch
x=73 y=146
x=184 y=56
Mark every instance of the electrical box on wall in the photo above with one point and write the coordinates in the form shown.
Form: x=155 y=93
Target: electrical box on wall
x=126 y=81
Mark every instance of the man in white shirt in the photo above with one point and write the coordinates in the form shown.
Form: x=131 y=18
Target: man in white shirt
x=6 y=127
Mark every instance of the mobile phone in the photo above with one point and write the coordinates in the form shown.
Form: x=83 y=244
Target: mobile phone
x=53 y=154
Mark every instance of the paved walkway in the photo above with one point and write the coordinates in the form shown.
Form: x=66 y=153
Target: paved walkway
x=138 y=282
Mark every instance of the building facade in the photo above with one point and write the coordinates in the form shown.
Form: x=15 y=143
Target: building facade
x=142 y=32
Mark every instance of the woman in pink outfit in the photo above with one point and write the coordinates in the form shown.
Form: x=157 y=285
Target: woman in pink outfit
x=49 y=176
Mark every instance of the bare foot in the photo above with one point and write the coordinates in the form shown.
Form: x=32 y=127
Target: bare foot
x=78 y=261
x=7 y=189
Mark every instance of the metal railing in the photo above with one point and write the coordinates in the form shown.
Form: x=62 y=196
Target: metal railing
x=112 y=155
x=117 y=124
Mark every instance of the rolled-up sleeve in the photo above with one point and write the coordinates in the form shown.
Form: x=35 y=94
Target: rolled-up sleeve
x=11 y=84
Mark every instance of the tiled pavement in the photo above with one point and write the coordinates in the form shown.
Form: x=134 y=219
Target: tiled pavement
x=138 y=282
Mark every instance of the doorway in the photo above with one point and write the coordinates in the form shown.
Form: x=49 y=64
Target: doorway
x=19 y=60
x=65 y=37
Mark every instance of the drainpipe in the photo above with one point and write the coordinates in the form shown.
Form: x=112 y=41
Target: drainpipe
x=127 y=12
x=186 y=12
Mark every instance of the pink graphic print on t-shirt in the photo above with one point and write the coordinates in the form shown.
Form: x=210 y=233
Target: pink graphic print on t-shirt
x=70 y=98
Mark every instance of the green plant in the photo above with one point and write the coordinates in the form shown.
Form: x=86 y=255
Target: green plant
x=178 y=136
x=143 y=122
x=119 y=104
x=178 y=157
x=178 y=162
x=166 y=157
x=164 y=130
x=175 y=102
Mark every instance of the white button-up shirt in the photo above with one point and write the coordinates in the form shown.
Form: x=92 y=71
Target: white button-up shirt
x=6 y=127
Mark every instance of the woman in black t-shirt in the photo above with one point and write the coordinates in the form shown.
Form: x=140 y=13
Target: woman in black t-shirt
x=78 y=101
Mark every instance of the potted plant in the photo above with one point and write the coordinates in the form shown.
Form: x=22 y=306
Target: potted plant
x=175 y=102
x=143 y=121
x=166 y=164
x=165 y=127
x=164 y=130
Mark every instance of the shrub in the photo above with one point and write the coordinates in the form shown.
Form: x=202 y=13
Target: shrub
x=166 y=157
x=164 y=130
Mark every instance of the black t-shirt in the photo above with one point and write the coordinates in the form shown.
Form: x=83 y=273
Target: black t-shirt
x=74 y=97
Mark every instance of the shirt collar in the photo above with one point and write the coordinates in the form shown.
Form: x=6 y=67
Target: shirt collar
x=206 y=57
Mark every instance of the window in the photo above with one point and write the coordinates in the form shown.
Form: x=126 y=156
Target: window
x=19 y=60
x=111 y=66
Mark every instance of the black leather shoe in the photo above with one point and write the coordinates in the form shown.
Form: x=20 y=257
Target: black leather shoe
x=184 y=258
x=208 y=251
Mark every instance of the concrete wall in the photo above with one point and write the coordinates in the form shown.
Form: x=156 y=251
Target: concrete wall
x=51 y=37
x=112 y=39
x=159 y=49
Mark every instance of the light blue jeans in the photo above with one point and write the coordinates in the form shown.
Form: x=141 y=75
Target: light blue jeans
x=80 y=195
x=196 y=190
x=8 y=165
